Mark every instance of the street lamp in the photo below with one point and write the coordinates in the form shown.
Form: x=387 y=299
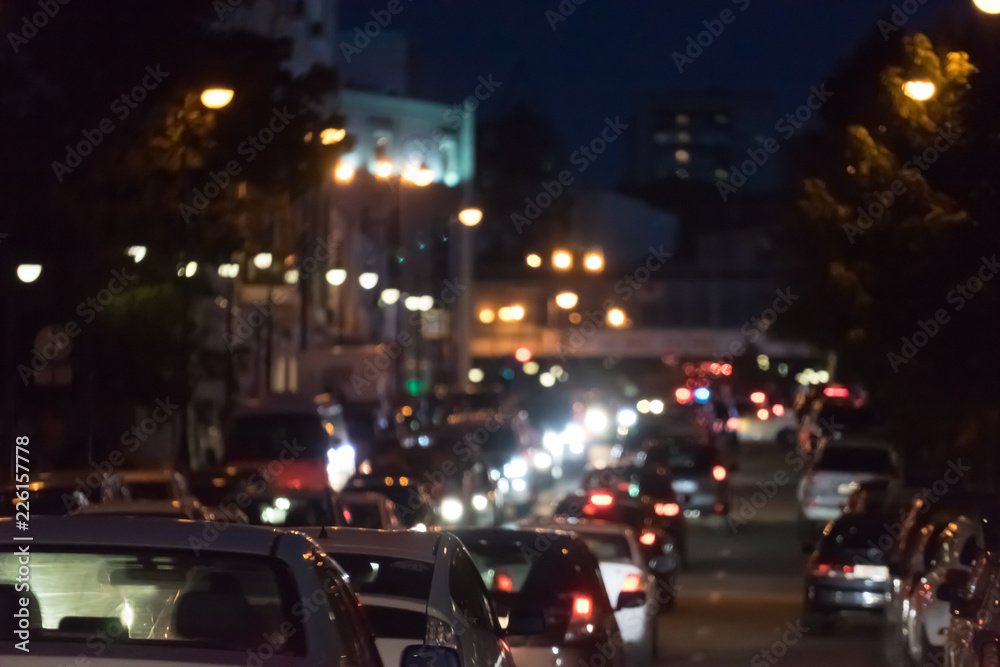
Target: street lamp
x=291 y=276
x=390 y=296
x=216 y=98
x=332 y=136
x=486 y=316
x=471 y=216
x=562 y=260
x=344 y=173
x=412 y=303
x=566 y=300
x=28 y=273
x=336 y=276
x=190 y=269
x=137 y=252
x=534 y=261
x=517 y=313
x=594 y=261
x=616 y=317
x=988 y=6
x=229 y=270
x=368 y=280
x=425 y=303
x=263 y=260
x=384 y=169
x=920 y=91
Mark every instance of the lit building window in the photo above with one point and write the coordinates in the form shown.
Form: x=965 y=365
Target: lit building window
x=684 y=137
x=682 y=156
x=682 y=119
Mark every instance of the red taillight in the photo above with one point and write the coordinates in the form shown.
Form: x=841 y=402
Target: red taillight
x=683 y=395
x=667 y=509
x=347 y=516
x=778 y=410
x=835 y=392
x=758 y=397
x=631 y=583
x=582 y=606
x=719 y=473
x=763 y=414
x=589 y=509
x=832 y=569
x=504 y=583
x=601 y=499
x=647 y=538
x=733 y=423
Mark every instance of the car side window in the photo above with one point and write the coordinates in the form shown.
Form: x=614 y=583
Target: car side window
x=469 y=592
x=967 y=555
x=352 y=635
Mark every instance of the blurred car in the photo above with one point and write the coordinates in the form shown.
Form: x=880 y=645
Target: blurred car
x=766 y=421
x=141 y=595
x=58 y=493
x=700 y=474
x=844 y=572
x=367 y=509
x=624 y=569
x=973 y=635
x=419 y=588
x=548 y=593
x=841 y=412
x=834 y=474
x=657 y=537
x=151 y=484
x=412 y=504
x=926 y=617
x=189 y=509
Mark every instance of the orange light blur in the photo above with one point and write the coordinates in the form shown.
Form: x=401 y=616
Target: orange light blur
x=727 y=369
x=582 y=606
x=683 y=395
x=763 y=414
x=601 y=499
x=778 y=410
x=758 y=397
x=647 y=538
x=719 y=473
x=631 y=583
x=733 y=423
x=667 y=509
x=504 y=583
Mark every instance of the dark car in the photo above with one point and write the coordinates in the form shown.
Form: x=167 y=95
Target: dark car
x=657 y=535
x=548 y=593
x=413 y=505
x=700 y=474
x=846 y=570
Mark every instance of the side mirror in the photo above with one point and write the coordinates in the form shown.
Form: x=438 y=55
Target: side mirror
x=524 y=622
x=430 y=656
x=663 y=564
x=630 y=600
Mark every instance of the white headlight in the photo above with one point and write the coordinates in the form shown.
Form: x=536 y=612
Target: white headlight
x=479 y=502
x=519 y=485
x=627 y=417
x=542 y=461
x=420 y=528
x=596 y=420
x=517 y=467
x=282 y=503
x=451 y=509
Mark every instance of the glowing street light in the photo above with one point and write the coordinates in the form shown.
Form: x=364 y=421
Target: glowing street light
x=390 y=296
x=216 y=98
x=517 y=313
x=534 y=261
x=616 y=317
x=919 y=90
x=425 y=303
x=263 y=260
x=566 y=300
x=229 y=270
x=344 y=173
x=412 y=303
x=471 y=216
x=29 y=273
x=594 y=262
x=137 y=252
x=988 y=6
x=476 y=375
x=562 y=260
x=190 y=269
x=368 y=280
x=331 y=136
x=336 y=276
x=384 y=169
x=486 y=316
x=291 y=276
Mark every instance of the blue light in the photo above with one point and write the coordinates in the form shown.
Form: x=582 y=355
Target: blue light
x=701 y=394
x=508 y=374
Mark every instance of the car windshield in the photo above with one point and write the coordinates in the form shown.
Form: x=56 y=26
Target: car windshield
x=149 y=490
x=361 y=514
x=267 y=437
x=161 y=597
x=386 y=575
x=517 y=567
x=856 y=459
x=607 y=548
x=682 y=458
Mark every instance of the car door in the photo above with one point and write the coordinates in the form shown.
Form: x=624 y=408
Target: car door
x=480 y=636
x=959 y=647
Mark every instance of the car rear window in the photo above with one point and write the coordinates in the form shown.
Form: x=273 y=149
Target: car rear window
x=856 y=459
x=682 y=458
x=852 y=535
x=518 y=567
x=385 y=575
x=361 y=514
x=607 y=548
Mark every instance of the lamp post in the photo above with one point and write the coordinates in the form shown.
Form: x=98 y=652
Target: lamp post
x=470 y=217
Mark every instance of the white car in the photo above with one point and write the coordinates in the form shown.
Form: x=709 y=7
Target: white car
x=419 y=587
x=926 y=619
x=624 y=570
x=838 y=469
x=151 y=484
x=150 y=592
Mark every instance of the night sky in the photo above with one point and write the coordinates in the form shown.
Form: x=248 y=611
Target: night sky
x=595 y=63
